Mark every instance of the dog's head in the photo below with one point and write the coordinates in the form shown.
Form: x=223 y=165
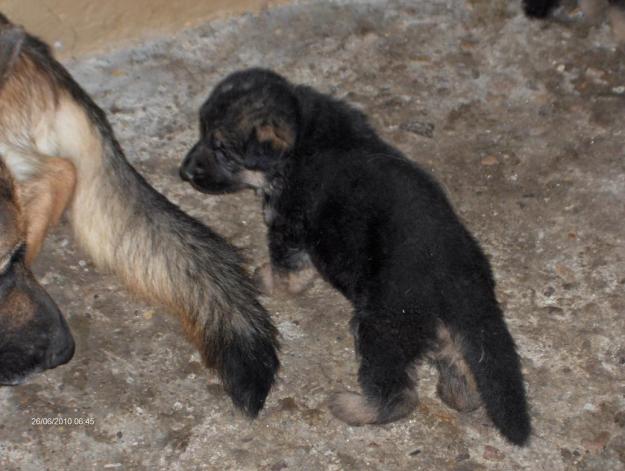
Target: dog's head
x=33 y=334
x=247 y=127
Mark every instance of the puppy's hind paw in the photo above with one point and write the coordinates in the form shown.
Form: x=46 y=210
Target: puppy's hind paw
x=353 y=409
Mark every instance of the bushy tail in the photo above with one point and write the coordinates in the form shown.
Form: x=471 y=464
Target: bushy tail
x=167 y=256
x=490 y=352
x=129 y=228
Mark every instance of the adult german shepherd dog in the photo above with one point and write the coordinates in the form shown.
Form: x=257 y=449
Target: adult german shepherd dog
x=380 y=230
x=126 y=226
x=33 y=334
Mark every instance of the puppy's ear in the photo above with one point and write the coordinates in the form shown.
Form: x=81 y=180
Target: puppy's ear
x=11 y=41
x=268 y=143
x=279 y=138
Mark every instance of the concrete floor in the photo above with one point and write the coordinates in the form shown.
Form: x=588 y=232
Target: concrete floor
x=522 y=122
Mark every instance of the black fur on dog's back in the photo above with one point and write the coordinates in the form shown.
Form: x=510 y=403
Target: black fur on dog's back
x=379 y=229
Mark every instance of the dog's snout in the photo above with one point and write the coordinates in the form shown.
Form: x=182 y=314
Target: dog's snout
x=185 y=173
x=61 y=350
x=192 y=166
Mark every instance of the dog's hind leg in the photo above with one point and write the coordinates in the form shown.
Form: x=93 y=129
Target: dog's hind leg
x=43 y=198
x=456 y=384
x=388 y=388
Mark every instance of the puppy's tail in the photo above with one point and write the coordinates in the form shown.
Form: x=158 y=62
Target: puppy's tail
x=490 y=353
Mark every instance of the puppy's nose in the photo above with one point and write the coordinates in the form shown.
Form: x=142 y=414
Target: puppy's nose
x=185 y=173
x=191 y=167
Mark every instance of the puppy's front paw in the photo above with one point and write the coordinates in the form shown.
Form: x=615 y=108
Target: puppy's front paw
x=299 y=281
x=353 y=409
x=263 y=279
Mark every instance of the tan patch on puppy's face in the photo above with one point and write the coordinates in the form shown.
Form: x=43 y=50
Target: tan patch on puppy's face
x=281 y=139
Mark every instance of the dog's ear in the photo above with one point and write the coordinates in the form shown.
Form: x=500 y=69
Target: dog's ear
x=268 y=143
x=278 y=137
x=11 y=41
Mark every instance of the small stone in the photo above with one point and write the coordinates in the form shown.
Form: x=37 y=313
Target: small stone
x=619 y=418
x=493 y=454
x=147 y=315
x=287 y=404
x=619 y=90
x=279 y=466
x=549 y=291
x=598 y=443
x=415 y=452
x=566 y=454
x=565 y=272
x=462 y=457
x=419 y=128
x=554 y=310
x=489 y=161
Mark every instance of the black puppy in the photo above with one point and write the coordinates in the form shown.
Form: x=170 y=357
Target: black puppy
x=593 y=9
x=380 y=230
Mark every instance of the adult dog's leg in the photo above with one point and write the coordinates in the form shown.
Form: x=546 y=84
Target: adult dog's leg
x=43 y=198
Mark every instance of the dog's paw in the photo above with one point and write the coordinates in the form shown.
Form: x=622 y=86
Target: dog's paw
x=270 y=281
x=299 y=281
x=353 y=409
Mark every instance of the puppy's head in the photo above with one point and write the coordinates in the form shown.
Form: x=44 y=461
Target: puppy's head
x=248 y=126
x=33 y=334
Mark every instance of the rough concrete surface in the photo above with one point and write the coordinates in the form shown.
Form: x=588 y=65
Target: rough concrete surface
x=522 y=122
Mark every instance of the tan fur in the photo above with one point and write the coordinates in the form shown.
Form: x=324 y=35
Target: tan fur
x=353 y=409
x=294 y=282
x=39 y=121
x=17 y=305
x=456 y=386
x=12 y=226
x=43 y=199
x=280 y=139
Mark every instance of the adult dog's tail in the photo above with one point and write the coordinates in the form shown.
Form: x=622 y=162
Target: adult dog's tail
x=157 y=250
